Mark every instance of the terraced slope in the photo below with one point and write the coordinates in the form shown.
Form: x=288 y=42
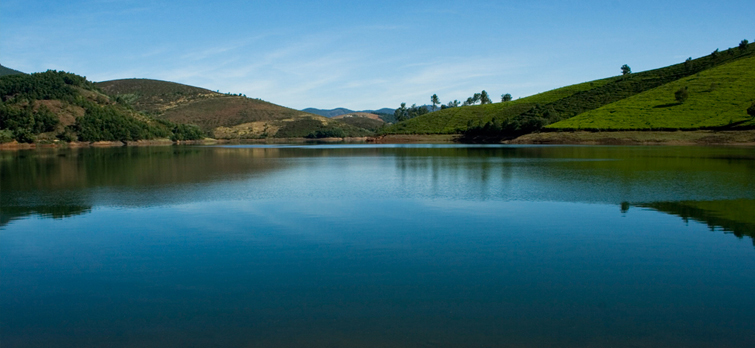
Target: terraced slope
x=718 y=97
x=453 y=120
x=533 y=113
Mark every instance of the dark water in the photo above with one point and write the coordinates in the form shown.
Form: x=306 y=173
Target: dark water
x=364 y=246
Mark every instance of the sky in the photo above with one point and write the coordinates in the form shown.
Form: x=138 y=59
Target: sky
x=365 y=54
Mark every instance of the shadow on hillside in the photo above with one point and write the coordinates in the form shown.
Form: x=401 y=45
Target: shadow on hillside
x=666 y=105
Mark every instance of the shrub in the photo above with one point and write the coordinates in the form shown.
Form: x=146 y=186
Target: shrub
x=681 y=95
x=186 y=132
x=327 y=133
x=6 y=136
x=751 y=110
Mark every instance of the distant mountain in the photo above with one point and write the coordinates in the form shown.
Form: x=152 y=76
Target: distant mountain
x=343 y=111
x=381 y=111
x=329 y=113
x=8 y=71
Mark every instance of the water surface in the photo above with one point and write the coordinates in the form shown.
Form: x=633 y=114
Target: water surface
x=378 y=246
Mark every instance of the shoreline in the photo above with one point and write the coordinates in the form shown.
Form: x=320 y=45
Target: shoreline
x=649 y=138
x=668 y=138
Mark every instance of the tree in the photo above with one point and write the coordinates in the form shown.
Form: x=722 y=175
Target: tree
x=688 y=63
x=475 y=98
x=401 y=113
x=681 y=95
x=435 y=100
x=714 y=54
x=484 y=98
x=743 y=45
x=626 y=70
x=453 y=104
x=505 y=97
x=751 y=110
x=469 y=101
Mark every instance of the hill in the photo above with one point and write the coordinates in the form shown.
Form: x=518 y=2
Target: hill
x=60 y=106
x=343 y=111
x=532 y=114
x=329 y=113
x=457 y=119
x=4 y=71
x=369 y=121
x=224 y=116
x=717 y=97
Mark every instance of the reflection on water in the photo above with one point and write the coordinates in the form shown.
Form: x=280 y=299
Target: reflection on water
x=376 y=246
x=730 y=216
x=61 y=183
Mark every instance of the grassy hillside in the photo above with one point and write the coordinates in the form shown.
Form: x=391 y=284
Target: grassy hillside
x=371 y=122
x=718 y=97
x=454 y=120
x=4 y=71
x=154 y=96
x=533 y=113
x=223 y=116
x=59 y=106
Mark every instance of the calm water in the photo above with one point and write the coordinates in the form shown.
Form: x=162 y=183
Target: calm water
x=378 y=246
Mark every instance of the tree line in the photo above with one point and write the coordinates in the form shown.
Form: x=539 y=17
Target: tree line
x=404 y=113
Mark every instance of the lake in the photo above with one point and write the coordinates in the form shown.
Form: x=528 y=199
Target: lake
x=378 y=246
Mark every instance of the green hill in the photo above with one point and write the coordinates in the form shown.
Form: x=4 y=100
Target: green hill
x=4 y=71
x=224 y=116
x=530 y=114
x=454 y=120
x=54 y=106
x=718 y=97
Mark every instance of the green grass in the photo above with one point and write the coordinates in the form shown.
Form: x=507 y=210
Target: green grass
x=453 y=120
x=573 y=100
x=718 y=97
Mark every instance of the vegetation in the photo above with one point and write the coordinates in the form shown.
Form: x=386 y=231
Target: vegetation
x=681 y=94
x=403 y=113
x=327 y=133
x=505 y=97
x=222 y=115
x=434 y=100
x=564 y=103
x=317 y=127
x=8 y=71
x=363 y=122
x=626 y=70
x=455 y=119
x=715 y=98
x=26 y=115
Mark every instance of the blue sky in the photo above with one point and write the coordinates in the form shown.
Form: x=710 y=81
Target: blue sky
x=364 y=55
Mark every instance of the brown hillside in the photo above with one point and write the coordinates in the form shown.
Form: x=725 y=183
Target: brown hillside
x=227 y=111
x=155 y=96
x=221 y=115
x=359 y=114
